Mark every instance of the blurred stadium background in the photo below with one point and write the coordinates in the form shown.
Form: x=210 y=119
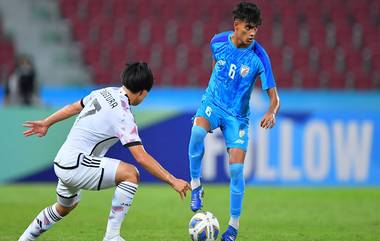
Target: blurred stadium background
x=325 y=55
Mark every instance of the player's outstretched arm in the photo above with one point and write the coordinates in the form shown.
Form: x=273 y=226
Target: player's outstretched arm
x=40 y=127
x=269 y=119
x=152 y=166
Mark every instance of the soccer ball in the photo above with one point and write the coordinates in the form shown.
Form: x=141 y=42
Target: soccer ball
x=203 y=226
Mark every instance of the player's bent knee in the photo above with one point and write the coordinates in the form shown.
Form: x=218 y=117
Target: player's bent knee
x=236 y=170
x=198 y=133
x=196 y=141
x=127 y=172
x=62 y=210
x=66 y=204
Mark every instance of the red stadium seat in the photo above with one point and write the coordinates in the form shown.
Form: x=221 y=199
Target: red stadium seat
x=301 y=58
x=69 y=8
x=311 y=80
x=7 y=54
x=283 y=79
x=100 y=25
x=336 y=80
x=91 y=53
x=362 y=80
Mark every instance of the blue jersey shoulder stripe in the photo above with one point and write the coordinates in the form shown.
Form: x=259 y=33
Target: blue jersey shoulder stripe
x=220 y=37
x=269 y=82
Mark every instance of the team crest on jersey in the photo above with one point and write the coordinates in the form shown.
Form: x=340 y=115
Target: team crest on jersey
x=244 y=70
x=241 y=133
x=221 y=62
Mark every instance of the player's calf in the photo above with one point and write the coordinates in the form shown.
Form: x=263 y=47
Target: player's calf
x=196 y=150
x=44 y=221
x=127 y=178
x=63 y=211
x=127 y=172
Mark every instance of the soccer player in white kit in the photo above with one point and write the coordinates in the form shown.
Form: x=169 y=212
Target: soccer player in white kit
x=104 y=118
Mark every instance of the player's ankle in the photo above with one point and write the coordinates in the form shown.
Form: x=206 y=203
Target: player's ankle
x=234 y=222
x=195 y=183
x=25 y=237
x=111 y=235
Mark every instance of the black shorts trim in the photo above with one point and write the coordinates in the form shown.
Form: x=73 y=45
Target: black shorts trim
x=135 y=143
x=73 y=196
x=81 y=103
x=89 y=165
x=101 y=179
x=90 y=162
x=72 y=167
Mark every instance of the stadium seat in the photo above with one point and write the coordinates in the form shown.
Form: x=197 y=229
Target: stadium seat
x=363 y=80
x=140 y=25
x=7 y=57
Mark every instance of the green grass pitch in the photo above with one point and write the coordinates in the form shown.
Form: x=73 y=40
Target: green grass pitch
x=158 y=214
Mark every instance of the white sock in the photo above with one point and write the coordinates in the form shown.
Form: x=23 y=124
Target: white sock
x=196 y=182
x=121 y=201
x=44 y=220
x=234 y=222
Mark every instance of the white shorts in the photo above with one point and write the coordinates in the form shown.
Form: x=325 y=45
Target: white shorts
x=91 y=173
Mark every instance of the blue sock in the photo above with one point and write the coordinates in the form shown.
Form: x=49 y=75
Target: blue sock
x=196 y=151
x=236 y=189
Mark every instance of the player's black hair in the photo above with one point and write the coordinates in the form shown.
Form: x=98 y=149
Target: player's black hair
x=137 y=77
x=248 y=12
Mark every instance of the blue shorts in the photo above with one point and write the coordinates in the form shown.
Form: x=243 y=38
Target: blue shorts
x=234 y=129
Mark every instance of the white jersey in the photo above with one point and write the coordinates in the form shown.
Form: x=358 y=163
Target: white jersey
x=105 y=119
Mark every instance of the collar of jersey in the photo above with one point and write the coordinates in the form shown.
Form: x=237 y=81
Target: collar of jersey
x=125 y=94
x=234 y=46
x=129 y=102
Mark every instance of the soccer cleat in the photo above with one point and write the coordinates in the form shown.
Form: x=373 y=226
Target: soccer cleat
x=116 y=238
x=230 y=234
x=196 y=199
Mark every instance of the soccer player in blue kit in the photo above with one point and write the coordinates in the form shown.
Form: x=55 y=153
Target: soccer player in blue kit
x=238 y=60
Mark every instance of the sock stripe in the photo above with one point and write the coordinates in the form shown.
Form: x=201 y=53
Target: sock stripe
x=127 y=190
x=48 y=216
x=52 y=215
x=132 y=188
x=53 y=211
x=127 y=185
x=47 y=213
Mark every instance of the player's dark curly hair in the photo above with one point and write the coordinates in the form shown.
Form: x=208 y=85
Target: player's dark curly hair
x=248 y=12
x=137 y=77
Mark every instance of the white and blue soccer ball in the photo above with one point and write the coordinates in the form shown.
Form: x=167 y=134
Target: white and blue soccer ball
x=203 y=226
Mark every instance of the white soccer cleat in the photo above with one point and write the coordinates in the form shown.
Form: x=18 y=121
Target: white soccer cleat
x=116 y=238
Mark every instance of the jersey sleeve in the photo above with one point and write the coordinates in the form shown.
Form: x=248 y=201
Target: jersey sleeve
x=218 y=40
x=212 y=47
x=265 y=69
x=128 y=131
x=87 y=99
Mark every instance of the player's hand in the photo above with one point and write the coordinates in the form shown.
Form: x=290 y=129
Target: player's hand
x=268 y=121
x=181 y=187
x=38 y=128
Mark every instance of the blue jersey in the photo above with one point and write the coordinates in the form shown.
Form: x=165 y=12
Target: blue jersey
x=235 y=72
